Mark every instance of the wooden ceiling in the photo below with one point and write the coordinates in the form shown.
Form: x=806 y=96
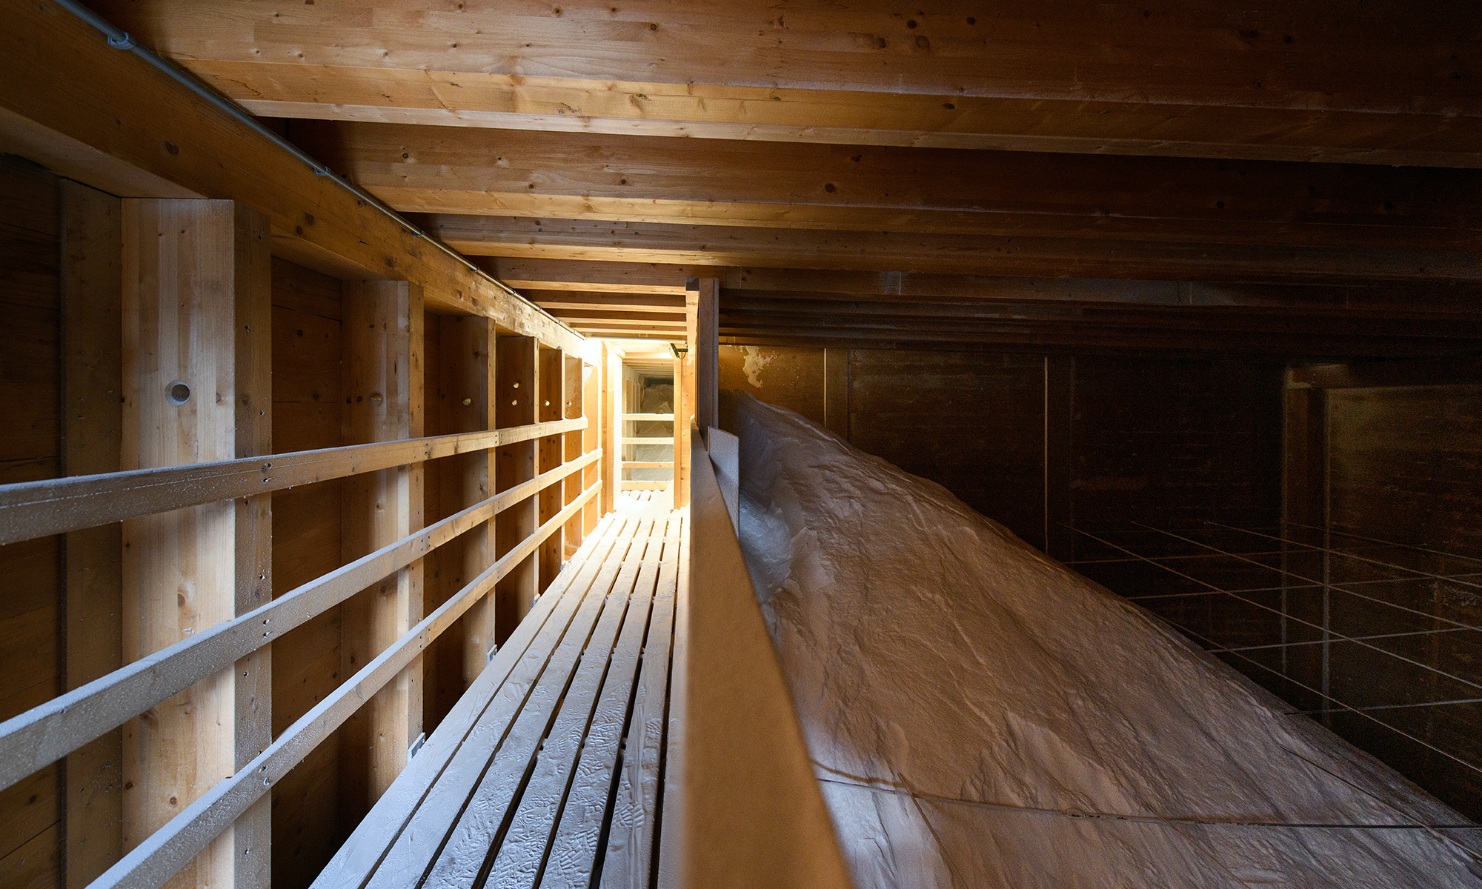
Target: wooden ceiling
x=1300 y=180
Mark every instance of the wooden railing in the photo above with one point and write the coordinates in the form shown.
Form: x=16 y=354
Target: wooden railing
x=40 y=736
x=742 y=807
x=627 y=463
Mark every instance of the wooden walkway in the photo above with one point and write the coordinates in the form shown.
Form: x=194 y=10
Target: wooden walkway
x=549 y=770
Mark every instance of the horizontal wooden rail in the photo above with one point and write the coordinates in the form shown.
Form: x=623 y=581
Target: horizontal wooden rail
x=36 y=738
x=642 y=440
x=647 y=464
x=55 y=506
x=649 y=418
x=173 y=846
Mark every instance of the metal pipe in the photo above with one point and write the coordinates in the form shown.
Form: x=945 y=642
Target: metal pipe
x=121 y=39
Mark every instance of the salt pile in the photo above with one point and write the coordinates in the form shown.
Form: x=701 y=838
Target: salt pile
x=983 y=717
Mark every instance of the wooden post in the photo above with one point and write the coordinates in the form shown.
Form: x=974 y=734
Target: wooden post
x=594 y=437
x=1305 y=508
x=382 y=382
x=704 y=333
x=573 y=406
x=466 y=403
x=612 y=427
x=92 y=419
x=514 y=406
x=196 y=371
x=836 y=391
x=550 y=406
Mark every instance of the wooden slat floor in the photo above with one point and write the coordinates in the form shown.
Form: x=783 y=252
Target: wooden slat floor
x=548 y=771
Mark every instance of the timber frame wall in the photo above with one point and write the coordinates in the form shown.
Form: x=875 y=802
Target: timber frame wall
x=251 y=416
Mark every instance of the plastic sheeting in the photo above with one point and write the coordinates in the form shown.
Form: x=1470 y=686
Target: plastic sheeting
x=981 y=716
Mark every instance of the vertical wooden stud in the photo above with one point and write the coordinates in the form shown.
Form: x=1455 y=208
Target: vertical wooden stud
x=836 y=391
x=612 y=427
x=92 y=418
x=595 y=437
x=573 y=407
x=515 y=385
x=705 y=352
x=197 y=337
x=550 y=406
x=382 y=382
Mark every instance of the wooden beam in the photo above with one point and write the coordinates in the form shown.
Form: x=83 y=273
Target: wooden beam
x=591 y=277
x=551 y=396
x=647 y=303
x=383 y=384
x=515 y=405
x=92 y=418
x=109 y=119
x=612 y=426
x=704 y=348
x=883 y=251
x=196 y=299
x=929 y=191
x=1193 y=79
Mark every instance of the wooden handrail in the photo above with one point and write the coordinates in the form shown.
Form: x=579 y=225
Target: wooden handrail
x=36 y=738
x=742 y=806
x=56 y=506
x=173 y=846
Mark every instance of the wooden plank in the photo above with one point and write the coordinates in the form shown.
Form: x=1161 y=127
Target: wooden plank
x=1178 y=80
x=648 y=418
x=474 y=726
x=917 y=190
x=569 y=300
x=584 y=725
x=29 y=510
x=749 y=811
x=92 y=426
x=551 y=396
x=196 y=299
x=632 y=279
x=111 y=120
x=644 y=440
x=383 y=387
x=647 y=464
x=519 y=704
x=475 y=836
x=515 y=405
x=944 y=253
x=628 y=858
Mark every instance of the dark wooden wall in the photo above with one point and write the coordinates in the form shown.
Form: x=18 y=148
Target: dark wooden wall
x=1401 y=453
x=1168 y=442
x=307 y=823
x=30 y=449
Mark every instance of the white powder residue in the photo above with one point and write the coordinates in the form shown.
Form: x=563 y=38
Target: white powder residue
x=753 y=362
x=981 y=716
